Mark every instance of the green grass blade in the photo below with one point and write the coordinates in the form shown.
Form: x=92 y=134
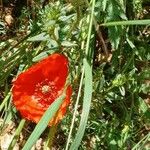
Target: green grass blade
x=17 y=133
x=87 y=89
x=41 y=126
x=75 y=110
x=86 y=106
x=4 y=101
x=130 y=22
x=143 y=140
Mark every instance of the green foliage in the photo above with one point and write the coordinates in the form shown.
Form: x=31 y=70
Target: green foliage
x=2 y=27
x=109 y=108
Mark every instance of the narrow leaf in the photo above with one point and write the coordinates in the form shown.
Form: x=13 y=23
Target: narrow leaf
x=41 y=126
x=40 y=37
x=86 y=106
x=129 y=22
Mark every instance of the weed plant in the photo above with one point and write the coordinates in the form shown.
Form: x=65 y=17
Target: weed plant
x=109 y=58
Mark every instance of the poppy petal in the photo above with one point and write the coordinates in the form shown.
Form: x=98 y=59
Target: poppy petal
x=38 y=87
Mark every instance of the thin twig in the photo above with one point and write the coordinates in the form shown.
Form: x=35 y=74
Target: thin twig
x=99 y=33
x=98 y=30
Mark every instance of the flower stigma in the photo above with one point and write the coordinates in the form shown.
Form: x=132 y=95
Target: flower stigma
x=45 y=89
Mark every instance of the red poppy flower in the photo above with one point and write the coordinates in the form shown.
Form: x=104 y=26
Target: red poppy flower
x=37 y=88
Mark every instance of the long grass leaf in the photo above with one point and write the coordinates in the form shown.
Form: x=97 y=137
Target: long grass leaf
x=86 y=106
x=129 y=22
x=4 y=101
x=75 y=110
x=87 y=89
x=17 y=133
x=41 y=126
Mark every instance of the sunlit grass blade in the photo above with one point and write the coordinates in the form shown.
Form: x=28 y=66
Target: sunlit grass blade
x=86 y=106
x=87 y=71
x=87 y=89
x=75 y=110
x=17 y=133
x=4 y=101
x=139 y=145
x=41 y=126
x=129 y=22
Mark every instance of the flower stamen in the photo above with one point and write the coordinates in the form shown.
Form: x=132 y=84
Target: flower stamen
x=45 y=89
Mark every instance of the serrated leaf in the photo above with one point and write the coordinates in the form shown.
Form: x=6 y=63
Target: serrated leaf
x=52 y=43
x=39 y=37
x=66 y=18
x=68 y=44
x=2 y=24
x=143 y=107
x=114 y=35
x=51 y=23
x=114 y=13
x=122 y=90
x=56 y=32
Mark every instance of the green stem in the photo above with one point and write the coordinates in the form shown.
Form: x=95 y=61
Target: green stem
x=50 y=138
x=17 y=133
x=5 y=101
